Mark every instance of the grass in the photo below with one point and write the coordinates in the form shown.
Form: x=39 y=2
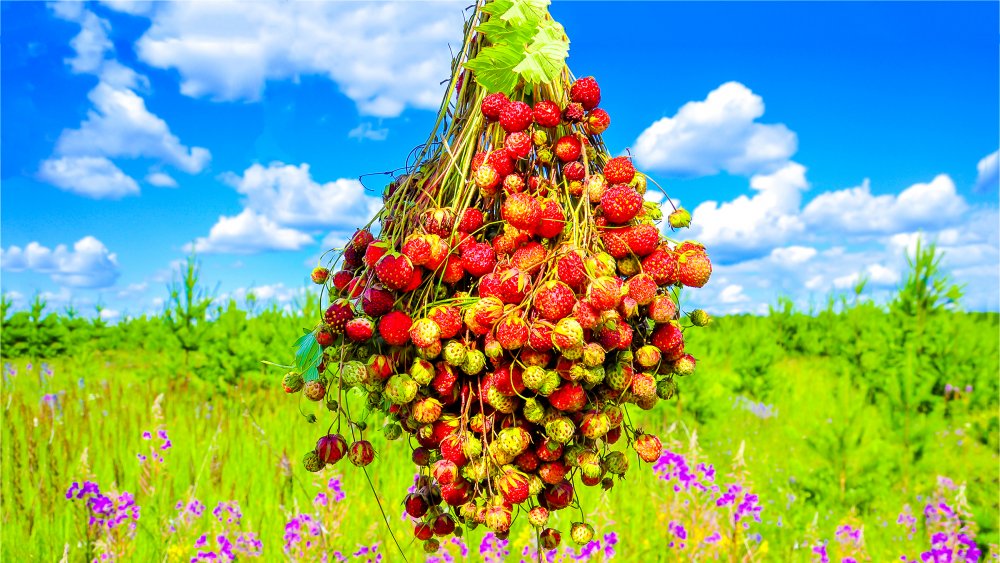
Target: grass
x=244 y=444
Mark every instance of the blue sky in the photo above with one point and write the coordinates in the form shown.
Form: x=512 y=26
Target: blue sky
x=813 y=141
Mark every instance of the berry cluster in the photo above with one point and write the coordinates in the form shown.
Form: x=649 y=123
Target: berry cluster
x=508 y=315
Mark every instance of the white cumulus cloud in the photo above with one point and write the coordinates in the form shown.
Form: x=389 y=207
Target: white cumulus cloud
x=988 y=172
x=719 y=133
x=121 y=126
x=747 y=227
x=161 y=180
x=118 y=125
x=89 y=264
x=288 y=195
x=856 y=210
x=383 y=56
x=247 y=233
x=91 y=176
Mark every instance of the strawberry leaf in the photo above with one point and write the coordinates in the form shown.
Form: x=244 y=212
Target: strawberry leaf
x=545 y=54
x=307 y=354
x=494 y=68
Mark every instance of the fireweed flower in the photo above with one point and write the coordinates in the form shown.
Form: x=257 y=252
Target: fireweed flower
x=228 y=513
x=493 y=549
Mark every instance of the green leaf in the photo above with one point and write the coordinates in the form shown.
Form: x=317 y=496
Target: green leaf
x=494 y=68
x=497 y=7
x=522 y=12
x=307 y=353
x=545 y=56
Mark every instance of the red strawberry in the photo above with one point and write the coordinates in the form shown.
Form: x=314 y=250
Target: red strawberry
x=341 y=279
x=662 y=265
x=662 y=309
x=522 y=211
x=547 y=113
x=448 y=318
x=439 y=252
x=668 y=338
x=574 y=170
x=451 y=449
x=513 y=184
x=337 y=315
x=513 y=286
x=615 y=242
x=361 y=239
x=540 y=336
x=598 y=121
x=508 y=380
x=472 y=219
x=586 y=314
x=457 y=492
x=641 y=288
x=376 y=301
x=527 y=461
x=423 y=531
x=417 y=249
x=443 y=525
x=331 y=448
x=394 y=271
x=479 y=259
x=586 y=92
x=689 y=245
x=642 y=239
x=515 y=116
x=492 y=104
x=554 y=300
x=454 y=270
x=693 y=268
x=513 y=485
x=568 y=397
x=487 y=178
x=605 y=293
x=553 y=472
x=574 y=112
x=356 y=286
x=353 y=258
x=549 y=450
x=619 y=170
x=621 y=203
x=553 y=220
x=489 y=285
x=415 y=505
x=518 y=145
x=359 y=329
x=512 y=332
x=319 y=275
x=394 y=328
x=570 y=270
x=444 y=379
x=501 y=160
x=530 y=257
x=374 y=252
x=568 y=148
x=425 y=332
x=648 y=447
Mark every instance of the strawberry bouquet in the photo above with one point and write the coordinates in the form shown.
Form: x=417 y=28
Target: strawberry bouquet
x=514 y=297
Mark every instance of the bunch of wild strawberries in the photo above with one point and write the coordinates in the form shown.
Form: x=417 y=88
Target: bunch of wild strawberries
x=508 y=331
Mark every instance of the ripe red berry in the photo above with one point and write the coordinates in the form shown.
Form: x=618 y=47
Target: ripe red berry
x=515 y=116
x=619 y=170
x=621 y=203
x=547 y=113
x=568 y=148
x=586 y=92
x=518 y=145
x=492 y=104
